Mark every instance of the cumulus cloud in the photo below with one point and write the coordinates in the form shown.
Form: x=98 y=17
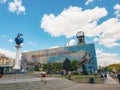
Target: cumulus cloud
x=72 y=20
x=3 y=1
x=16 y=6
x=117 y=10
x=10 y=40
x=8 y=53
x=88 y=2
x=108 y=33
x=71 y=42
x=106 y=58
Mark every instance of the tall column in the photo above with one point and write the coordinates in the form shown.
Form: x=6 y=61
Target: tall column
x=19 y=41
x=17 y=60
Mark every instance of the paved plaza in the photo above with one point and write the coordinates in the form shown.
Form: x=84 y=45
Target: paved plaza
x=24 y=82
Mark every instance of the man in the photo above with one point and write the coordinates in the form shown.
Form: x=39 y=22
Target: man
x=118 y=76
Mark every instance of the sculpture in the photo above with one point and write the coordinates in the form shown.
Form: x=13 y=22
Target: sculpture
x=19 y=40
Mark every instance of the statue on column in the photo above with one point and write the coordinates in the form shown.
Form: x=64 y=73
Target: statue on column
x=19 y=40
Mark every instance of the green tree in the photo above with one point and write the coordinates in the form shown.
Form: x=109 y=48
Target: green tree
x=53 y=67
x=114 y=67
x=36 y=68
x=74 y=65
x=67 y=65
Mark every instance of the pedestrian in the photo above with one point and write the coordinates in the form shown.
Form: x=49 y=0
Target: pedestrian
x=43 y=76
x=62 y=73
x=69 y=75
x=105 y=75
x=118 y=76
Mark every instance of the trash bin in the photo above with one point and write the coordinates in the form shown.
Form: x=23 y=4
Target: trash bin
x=91 y=80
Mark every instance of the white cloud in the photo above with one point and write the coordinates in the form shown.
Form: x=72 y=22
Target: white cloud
x=71 y=42
x=8 y=53
x=3 y=1
x=106 y=58
x=72 y=20
x=54 y=47
x=25 y=51
x=117 y=10
x=108 y=33
x=17 y=7
x=88 y=2
x=10 y=40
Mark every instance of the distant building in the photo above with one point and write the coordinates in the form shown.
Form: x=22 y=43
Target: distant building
x=5 y=60
x=82 y=52
x=6 y=63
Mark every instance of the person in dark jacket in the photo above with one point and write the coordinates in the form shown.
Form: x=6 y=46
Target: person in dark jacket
x=118 y=76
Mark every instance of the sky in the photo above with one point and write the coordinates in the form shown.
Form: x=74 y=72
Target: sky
x=54 y=23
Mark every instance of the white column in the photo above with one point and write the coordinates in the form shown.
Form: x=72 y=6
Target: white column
x=17 y=61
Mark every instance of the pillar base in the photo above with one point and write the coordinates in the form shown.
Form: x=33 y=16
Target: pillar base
x=16 y=67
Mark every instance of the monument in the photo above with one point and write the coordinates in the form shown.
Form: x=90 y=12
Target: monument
x=19 y=41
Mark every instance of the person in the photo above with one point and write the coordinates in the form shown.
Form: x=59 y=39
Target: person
x=62 y=73
x=105 y=75
x=43 y=76
x=118 y=76
x=69 y=75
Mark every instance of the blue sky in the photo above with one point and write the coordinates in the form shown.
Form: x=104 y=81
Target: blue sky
x=54 y=23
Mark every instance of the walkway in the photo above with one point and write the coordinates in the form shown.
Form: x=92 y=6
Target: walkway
x=24 y=82
x=17 y=78
x=110 y=84
x=110 y=80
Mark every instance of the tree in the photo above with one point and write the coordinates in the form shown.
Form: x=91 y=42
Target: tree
x=114 y=67
x=74 y=65
x=67 y=65
x=36 y=68
x=52 y=67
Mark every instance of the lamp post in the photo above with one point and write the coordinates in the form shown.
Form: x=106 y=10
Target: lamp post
x=19 y=41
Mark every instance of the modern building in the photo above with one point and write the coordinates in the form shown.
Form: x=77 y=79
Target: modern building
x=82 y=52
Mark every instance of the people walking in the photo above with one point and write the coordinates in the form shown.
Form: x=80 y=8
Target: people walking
x=118 y=76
